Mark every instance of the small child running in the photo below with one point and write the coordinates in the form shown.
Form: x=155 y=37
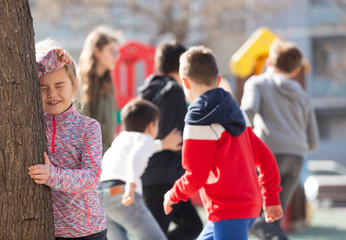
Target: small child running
x=123 y=164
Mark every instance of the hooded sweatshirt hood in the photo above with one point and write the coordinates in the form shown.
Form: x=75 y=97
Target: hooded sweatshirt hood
x=216 y=106
x=286 y=86
x=155 y=86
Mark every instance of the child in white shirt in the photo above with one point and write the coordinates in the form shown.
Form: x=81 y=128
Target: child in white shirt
x=123 y=164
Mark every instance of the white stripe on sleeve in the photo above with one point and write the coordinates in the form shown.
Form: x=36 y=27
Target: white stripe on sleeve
x=203 y=132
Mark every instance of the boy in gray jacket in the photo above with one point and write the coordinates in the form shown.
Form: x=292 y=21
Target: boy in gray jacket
x=283 y=117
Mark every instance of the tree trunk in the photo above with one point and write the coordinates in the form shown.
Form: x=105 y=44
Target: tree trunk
x=25 y=207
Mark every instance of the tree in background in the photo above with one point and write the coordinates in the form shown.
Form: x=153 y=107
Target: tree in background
x=25 y=207
x=187 y=21
x=222 y=25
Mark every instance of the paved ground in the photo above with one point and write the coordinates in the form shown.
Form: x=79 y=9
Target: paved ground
x=325 y=224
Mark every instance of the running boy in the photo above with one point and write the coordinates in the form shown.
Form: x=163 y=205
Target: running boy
x=74 y=142
x=285 y=120
x=220 y=156
x=124 y=162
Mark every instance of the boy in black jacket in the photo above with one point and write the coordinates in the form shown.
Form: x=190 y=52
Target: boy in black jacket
x=164 y=168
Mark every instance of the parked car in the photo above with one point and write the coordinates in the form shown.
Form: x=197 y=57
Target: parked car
x=326 y=182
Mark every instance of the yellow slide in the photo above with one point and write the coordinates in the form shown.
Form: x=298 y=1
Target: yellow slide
x=250 y=57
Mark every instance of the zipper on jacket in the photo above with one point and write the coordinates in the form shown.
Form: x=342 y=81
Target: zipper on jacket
x=53 y=137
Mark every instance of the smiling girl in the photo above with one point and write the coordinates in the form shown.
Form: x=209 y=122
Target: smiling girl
x=73 y=165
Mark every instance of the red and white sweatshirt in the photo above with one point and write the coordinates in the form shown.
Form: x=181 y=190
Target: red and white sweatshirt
x=220 y=155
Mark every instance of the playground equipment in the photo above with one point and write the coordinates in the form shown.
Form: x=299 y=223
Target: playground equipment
x=250 y=58
x=135 y=63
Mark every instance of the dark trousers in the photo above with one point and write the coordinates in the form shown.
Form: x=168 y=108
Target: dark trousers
x=97 y=236
x=184 y=214
x=290 y=167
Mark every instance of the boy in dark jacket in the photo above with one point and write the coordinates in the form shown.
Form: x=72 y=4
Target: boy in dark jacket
x=164 y=168
x=221 y=154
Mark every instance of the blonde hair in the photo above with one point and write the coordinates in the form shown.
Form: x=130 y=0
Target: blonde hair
x=92 y=84
x=43 y=47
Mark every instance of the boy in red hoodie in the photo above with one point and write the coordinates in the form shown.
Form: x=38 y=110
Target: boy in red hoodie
x=221 y=155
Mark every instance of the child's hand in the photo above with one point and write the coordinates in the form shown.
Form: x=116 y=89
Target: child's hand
x=64 y=57
x=40 y=173
x=167 y=203
x=272 y=213
x=129 y=194
x=172 y=141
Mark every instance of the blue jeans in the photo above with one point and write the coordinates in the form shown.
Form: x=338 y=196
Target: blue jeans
x=135 y=219
x=232 y=229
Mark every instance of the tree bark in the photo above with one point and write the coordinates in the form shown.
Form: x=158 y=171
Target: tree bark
x=25 y=207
